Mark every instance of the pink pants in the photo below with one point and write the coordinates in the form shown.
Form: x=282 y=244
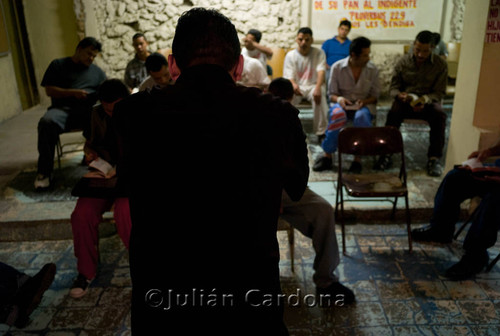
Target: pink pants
x=85 y=221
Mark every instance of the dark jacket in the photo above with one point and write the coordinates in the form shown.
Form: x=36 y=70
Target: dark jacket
x=206 y=161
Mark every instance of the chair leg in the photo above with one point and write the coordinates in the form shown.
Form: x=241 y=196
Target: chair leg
x=461 y=229
x=291 y=243
x=58 y=151
x=408 y=224
x=491 y=264
x=344 y=251
x=394 y=204
x=467 y=221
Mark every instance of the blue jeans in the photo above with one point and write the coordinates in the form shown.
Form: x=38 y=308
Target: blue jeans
x=337 y=118
x=457 y=186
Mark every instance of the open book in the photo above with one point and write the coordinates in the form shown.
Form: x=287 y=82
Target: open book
x=352 y=107
x=418 y=101
x=482 y=172
x=102 y=169
x=473 y=163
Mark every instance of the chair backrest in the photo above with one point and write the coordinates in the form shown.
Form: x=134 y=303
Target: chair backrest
x=453 y=51
x=452 y=59
x=370 y=141
x=276 y=62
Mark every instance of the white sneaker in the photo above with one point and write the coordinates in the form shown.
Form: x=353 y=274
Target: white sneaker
x=42 y=181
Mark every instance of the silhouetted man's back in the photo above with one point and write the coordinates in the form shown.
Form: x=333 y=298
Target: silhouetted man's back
x=205 y=203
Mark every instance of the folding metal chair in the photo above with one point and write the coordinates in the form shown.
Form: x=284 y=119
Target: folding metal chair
x=371 y=141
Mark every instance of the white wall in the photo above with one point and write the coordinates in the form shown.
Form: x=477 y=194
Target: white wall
x=9 y=95
x=464 y=138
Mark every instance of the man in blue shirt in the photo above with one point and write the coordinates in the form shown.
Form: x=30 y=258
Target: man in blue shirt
x=337 y=47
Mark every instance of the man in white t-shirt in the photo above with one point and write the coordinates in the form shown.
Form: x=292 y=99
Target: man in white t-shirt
x=305 y=68
x=253 y=48
x=254 y=74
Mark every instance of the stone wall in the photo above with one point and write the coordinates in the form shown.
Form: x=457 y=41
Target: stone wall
x=279 y=20
x=121 y=19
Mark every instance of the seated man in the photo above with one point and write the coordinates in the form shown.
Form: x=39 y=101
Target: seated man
x=439 y=49
x=87 y=215
x=337 y=47
x=136 y=72
x=254 y=74
x=252 y=48
x=71 y=83
x=458 y=185
x=314 y=217
x=418 y=85
x=159 y=75
x=20 y=294
x=305 y=68
x=354 y=88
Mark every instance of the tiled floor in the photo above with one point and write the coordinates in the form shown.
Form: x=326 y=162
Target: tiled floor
x=397 y=293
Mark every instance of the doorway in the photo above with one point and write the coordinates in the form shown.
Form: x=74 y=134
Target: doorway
x=21 y=55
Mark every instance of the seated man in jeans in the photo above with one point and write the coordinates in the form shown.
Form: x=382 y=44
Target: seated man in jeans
x=87 y=215
x=354 y=88
x=457 y=186
x=71 y=83
x=418 y=85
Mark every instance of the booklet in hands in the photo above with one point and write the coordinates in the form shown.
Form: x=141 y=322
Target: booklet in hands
x=102 y=169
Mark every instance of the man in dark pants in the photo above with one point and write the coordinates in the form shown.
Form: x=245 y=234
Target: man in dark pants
x=418 y=85
x=457 y=186
x=71 y=83
x=204 y=255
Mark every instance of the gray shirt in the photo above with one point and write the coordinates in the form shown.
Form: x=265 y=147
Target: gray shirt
x=342 y=83
x=135 y=73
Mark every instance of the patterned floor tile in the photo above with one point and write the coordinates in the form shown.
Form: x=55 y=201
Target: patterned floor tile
x=397 y=293
x=442 y=312
x=428 y=289
x=404 y=312
x=465 y=290
x=479 y=312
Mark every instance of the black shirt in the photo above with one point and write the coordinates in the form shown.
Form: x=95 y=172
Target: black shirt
x=206 y=161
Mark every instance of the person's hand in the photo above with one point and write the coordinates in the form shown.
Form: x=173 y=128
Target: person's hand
x=360 y=103
x=317 y=95
x=296 y=89
x=80 y=94
x=90 y=155
x=480 y=155
x=248 y=43
x=343 y=102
